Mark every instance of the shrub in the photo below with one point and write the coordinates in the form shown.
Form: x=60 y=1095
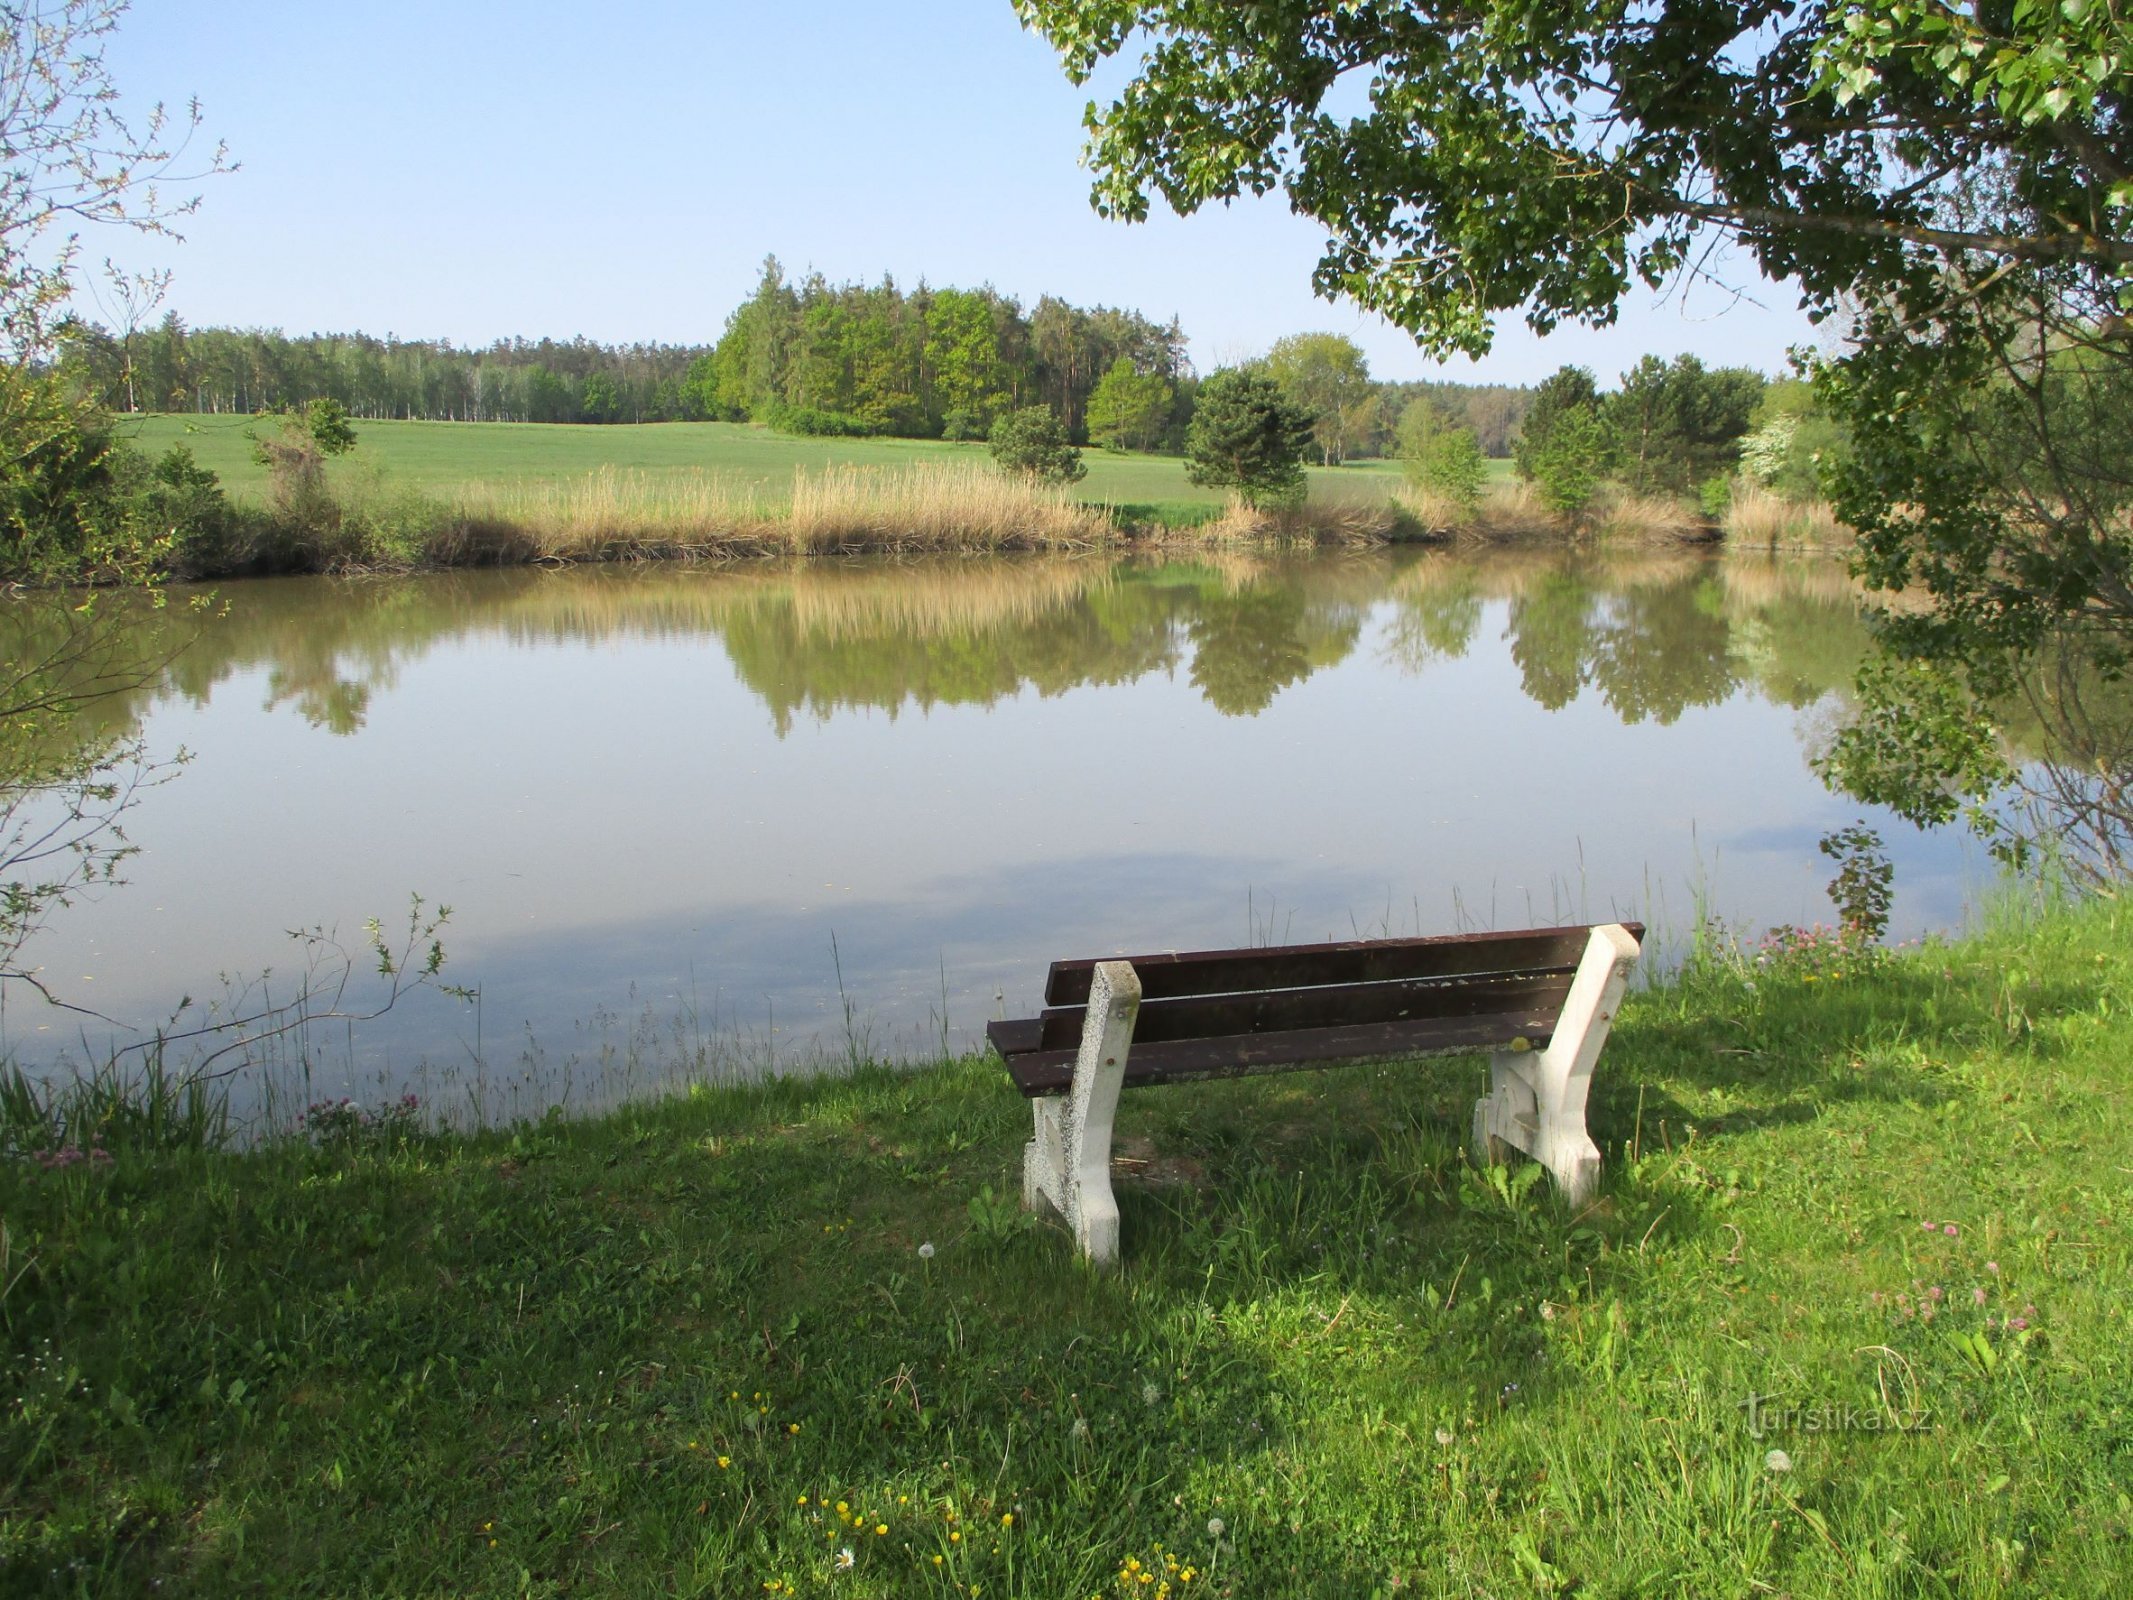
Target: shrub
x=1032 y=443
x=818 y=424
x=176 y=499
x=1449 y=464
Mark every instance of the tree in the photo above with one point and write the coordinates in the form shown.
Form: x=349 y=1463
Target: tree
x=1326 y=376
x=1956 y=181
x=1563 y=390
x=1678 y=424
x=1246 y=436
x=1569 y=461
x=1129 y=409
x=1032 y=443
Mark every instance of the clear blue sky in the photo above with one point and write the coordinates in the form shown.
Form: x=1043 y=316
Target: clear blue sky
x=470 y=170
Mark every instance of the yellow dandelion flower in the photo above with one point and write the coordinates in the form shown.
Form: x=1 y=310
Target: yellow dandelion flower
x=802 y=1500
x=724 y=1462
x=792 y=1427
x=955 y=1538
x=1007 y=1519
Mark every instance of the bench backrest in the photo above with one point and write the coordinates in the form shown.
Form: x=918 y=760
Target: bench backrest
x=1362 y=997
x=1215 y=993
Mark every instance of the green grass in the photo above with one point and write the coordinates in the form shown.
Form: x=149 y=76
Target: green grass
x=444 y=458
x=654 y=1353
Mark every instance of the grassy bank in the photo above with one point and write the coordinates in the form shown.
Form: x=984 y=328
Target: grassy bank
x=453 y=462
x=797 y=1339
x=456 y=494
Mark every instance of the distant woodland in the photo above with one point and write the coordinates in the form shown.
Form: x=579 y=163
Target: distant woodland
x=804 y=356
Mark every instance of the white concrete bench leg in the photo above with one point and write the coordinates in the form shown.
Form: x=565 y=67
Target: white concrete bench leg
x=1536 y=1100
x=1067 y=1163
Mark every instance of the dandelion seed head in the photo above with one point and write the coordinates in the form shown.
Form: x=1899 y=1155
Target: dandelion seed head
x=1778 y=1461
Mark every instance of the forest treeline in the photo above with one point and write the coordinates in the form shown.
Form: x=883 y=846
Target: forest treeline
x=805 y=356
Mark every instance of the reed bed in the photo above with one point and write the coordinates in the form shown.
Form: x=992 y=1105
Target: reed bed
x=1759 y=516
x=612 y=513
x=955 y=505
x=1331 y=521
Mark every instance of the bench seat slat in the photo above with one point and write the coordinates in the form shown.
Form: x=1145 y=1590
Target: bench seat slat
x=1047 y=1072
x=1204 y=972
x=1288 y=1010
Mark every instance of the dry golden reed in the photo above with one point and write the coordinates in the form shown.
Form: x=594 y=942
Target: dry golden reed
x=612 y=513
x=1758 y=516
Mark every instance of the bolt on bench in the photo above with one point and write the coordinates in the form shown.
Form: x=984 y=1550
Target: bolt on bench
x=1540 y=1002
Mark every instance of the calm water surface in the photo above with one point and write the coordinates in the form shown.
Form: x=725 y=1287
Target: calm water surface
x=667 y=805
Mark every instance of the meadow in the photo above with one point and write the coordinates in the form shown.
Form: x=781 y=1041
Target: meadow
x=1846 y=1319
x=453 y=460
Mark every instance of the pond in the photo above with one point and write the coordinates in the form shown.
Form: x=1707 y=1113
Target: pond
x=705 y=820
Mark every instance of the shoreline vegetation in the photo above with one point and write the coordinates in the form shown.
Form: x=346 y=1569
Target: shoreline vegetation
x=798 y=1337
x=408 y=507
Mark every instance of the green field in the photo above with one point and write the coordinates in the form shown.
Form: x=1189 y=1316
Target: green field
x=444 y=457
x=800 y=1339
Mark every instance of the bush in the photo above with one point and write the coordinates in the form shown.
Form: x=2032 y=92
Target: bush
x=1449 y=463
x=813 y=423
x=178 y=500
x=60 y=512
x=1032 y=443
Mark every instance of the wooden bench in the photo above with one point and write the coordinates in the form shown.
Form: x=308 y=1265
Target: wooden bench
x=1539 y=1002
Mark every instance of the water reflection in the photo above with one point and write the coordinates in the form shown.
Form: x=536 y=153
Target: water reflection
x=1651 y=636
x=671 y=787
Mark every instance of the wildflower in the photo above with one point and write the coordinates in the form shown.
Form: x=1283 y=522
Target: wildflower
x=1444 y=1436
x=2019 y=1323
x=1977 y=1297
x=925 y=1251
x=1007 y=1519
x=881 y=1530
x=1949 y=1229
x=1215 y=1528
x=792 y=1427
x=845 y=1559
x=954 y=1537
x=1778 y=1461
x=802 y=1500
x=843 y=1507
x=1993 y=1267
x=1928 y=1226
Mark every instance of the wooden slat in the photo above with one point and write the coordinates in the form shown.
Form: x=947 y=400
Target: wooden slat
x=1204 y=972
x=1293 y=1010
x=1016 y=1035
x=1048 y=1072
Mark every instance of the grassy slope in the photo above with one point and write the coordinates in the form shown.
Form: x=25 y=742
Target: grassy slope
x=638 y=1355
x=443 y=456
